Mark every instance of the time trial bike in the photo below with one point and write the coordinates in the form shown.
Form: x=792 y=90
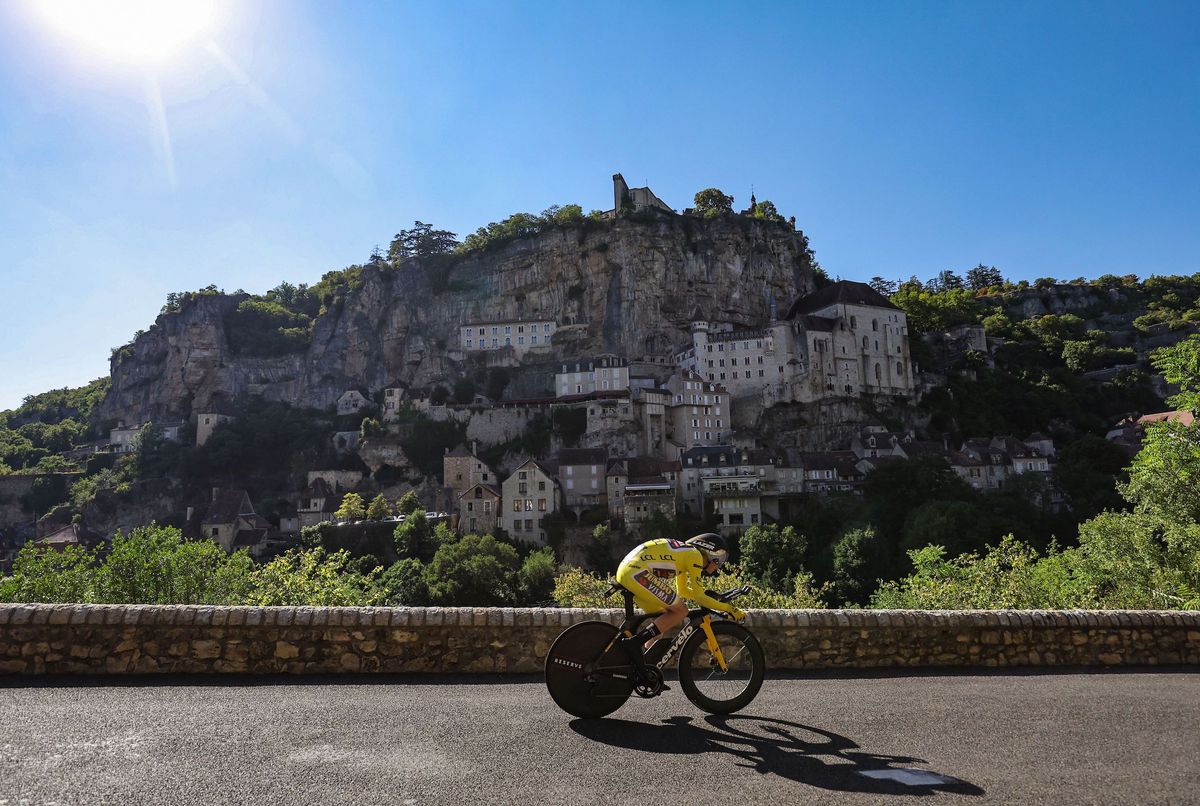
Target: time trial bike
x=590 y=673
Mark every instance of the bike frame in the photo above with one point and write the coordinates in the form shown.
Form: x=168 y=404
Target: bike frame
x=700 y=618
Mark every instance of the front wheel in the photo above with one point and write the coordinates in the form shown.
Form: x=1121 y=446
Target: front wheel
x=580 y=681
x=701 y=676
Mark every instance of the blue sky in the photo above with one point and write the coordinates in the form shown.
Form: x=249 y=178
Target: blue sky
x=1048 y=139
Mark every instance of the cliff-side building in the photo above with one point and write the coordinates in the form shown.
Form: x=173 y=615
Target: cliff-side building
x=518 y=336
x=529 y=495
x=583 y=376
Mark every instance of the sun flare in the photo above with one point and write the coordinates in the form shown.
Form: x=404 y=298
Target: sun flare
x=139 y=32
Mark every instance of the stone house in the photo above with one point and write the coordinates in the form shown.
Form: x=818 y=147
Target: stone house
x=462 y=470
x=123 y=439
x=318 y=503
x=640 y=486
x=354 y=401
x=207 y=422
x=830 y=472
x=479 y=509
x=529 y=494
x=698 y=411
x=231 y=521
x=581 y=477
x=604 y=373
x=393 y=398
x=650 y=414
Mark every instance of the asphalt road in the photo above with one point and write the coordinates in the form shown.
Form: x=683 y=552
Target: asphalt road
x=1120 y=738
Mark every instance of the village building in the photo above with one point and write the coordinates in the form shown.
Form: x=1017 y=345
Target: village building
x=650 y=413
x=699 y=412
x=479 y=509
x=845 y=339
x=354 y=401
x=393 y=399
x=831 y=472
x=518 y=336
x=529 y=495
x=1129 y=432
x=633 y=199
x=640 y=486
x=318 y=503
x=463 y=470
x=207 y=422
x=604 y=373
x=124 y=439
x=232 y=523
x=581 y=475
x=738 y=485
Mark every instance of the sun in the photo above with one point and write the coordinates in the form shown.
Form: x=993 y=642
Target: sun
x=137 y=32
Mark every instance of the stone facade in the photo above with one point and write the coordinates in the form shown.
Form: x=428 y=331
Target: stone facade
x=124 y=639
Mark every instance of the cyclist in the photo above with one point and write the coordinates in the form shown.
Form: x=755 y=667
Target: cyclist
x=662 y=573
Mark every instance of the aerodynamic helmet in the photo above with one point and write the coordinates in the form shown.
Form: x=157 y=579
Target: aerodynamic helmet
x=711 y=545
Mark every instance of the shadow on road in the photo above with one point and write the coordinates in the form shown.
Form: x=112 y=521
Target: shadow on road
x=801 y=753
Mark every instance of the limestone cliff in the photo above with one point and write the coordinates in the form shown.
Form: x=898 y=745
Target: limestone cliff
x=628 y=286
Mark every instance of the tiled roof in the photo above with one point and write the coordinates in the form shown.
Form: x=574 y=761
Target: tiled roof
x=582 y=456
x=843 y=292
x=227 y=505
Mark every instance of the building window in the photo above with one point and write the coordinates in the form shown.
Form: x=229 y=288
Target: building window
x=468 y=345
x=516 y=505
x=529 y=505
x=541 y=505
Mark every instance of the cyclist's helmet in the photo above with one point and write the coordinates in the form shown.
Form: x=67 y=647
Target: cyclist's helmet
x=711 y=545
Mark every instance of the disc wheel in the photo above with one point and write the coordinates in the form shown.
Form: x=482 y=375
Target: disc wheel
x=706 y=684
x=575 y=671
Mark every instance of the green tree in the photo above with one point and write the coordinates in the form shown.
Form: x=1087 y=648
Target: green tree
x=422 y=241
x=369 y=427
x=402 y=584
x=982 y=277
x=855 y=560
x=352 y=508
x=536 y=577
x=156 y=565
x=1164 y=479
x=41 y=574
x=771 y=555
x=310 y=578
x=885 y=287
x=1087 y=472
x=409 y=503
x=379 y=509
x=476 y=571
x=711 y=203
x=413 y=535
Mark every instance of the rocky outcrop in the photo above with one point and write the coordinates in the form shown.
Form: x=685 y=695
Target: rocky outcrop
x=628 y=286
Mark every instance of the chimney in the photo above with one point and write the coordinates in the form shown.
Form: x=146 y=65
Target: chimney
x=473 y=447
x=190 y=512
x=216 y=492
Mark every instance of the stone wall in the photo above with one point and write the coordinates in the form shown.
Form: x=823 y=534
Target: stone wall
x=121 y=639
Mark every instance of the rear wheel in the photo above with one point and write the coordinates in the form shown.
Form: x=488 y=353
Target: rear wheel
x=580 y=681
x=706 y=684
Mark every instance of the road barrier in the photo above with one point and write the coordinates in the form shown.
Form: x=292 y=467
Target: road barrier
x=132 y=639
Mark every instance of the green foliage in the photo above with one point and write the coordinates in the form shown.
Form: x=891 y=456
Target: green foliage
x=379 y=508
x=41 y=574
x=310 y=577
x=982 y=277
x=772 y=556
x=413 y=535
x=352 y=508
x=402 y=585
x=266 y=328
x=476 y=570
x=1136 y=560
x=1085 y=473
x=464 y=390
x=520 y=225
x=536 y=577
x=711 y=203
x=409 y=503
x=932 y=311
x=427 y=441
x=1009 y=576
x=155 y=565
x=575 y=587
x=369 y=427
x=422 y=241
x=855 y=558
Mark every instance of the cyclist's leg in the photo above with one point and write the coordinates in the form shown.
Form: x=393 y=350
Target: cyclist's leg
x=654 y=596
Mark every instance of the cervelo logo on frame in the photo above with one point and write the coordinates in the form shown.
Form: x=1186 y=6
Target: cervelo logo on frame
x=684 y=634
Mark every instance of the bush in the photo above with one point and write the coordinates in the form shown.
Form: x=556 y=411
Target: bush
x=476 y=570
